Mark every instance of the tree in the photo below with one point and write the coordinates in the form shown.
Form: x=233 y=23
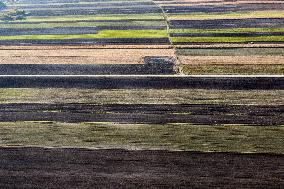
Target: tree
x=2 y=5
x=13 y=15
x=12 y=1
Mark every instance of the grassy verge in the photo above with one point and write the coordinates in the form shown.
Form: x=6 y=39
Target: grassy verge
x=141 y=96
x=223 y=138
x=100 y=34
x=231 y=15
x=262 y=69
x=231 y=52
x=227 y=39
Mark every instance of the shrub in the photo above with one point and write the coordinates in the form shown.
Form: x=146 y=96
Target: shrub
x=2 y=5
x=13 y=15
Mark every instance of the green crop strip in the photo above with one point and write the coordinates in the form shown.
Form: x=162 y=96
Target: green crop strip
x=142 y=96
x=233 y=15
x=231 y=52
x=233 y=69
x=227 y=39
x=218 y=138
x=101 y=34
x=233 y=30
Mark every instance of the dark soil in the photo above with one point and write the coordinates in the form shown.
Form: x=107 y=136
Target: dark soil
x=145 y=82
x=117 y=41
x=145 y=113
x=246 y=34
x=160 y=66
x=223 y=8
x=229 y=23
x=83 y=168
x=118 y=10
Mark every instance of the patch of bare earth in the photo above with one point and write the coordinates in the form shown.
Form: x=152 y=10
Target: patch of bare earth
x=80 y=54
x=231 y=59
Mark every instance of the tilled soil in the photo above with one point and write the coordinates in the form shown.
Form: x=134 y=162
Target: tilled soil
x=229 y=23
x=86 y=168
x=143 y=82
x=145 y=113
x=117 y=41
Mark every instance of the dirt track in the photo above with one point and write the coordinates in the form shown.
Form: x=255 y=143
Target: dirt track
x=83 y=168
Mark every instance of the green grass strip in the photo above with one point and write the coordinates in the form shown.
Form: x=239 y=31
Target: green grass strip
x=227 y=39
x=206 y=138
x=231 y=52
x=141 y=96
x=233 y=69
x=101 y=34
x=232 y=30
x=232 y=15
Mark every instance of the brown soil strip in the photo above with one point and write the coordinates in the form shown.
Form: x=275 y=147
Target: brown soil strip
x=231 y=59
x=79 y=56
x=85 y=168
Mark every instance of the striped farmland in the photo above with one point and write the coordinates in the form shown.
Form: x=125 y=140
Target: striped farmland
x=90 y=22
x=209 y=37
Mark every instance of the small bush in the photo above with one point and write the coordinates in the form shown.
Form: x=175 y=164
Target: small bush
x=2 y=5
x=13 y=15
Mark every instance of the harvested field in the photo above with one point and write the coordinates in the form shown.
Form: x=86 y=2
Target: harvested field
x=80 y=56
x=227 y=60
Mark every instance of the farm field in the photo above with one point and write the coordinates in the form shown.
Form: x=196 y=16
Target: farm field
x=82 y=55
x=84 y=168
x=231 y=37
x=177 y=119
x=217 y=23
x=143 y=137
x=141 y=94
